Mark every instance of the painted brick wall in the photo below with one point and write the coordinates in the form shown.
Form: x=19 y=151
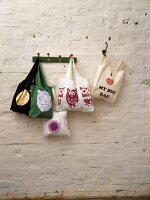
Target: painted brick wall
x=109 y=151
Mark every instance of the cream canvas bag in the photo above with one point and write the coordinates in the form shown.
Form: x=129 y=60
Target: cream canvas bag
x=73 y=92
x=108 y=81
x=58 y=125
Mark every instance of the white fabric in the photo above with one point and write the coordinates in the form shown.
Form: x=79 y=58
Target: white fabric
x=44 y=102
x=73 y=93
x=107 y=81
x=57 y=126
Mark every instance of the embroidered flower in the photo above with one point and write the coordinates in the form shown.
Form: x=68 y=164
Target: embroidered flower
x=54 y=126
x=44 y=102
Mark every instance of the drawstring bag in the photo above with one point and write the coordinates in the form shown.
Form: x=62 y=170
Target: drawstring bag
x=57 y=126
x=108 y=81
x=22 y=97
x=41 y=97
x=73 y=92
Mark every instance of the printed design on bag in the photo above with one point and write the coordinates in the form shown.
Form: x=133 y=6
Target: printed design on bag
x=86 y=96
x=44 y=102
x=109 y=81
x=22 y=98
x=72 y=97
x=54 y=126
x=60 y=95
x=106 y=92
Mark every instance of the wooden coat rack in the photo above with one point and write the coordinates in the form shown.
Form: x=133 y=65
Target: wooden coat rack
x=50 y=59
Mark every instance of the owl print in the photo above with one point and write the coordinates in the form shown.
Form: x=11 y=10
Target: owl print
x=86 y=96
x=88 y=101
x=72 y=97
x=60 y=95
x=85 y=92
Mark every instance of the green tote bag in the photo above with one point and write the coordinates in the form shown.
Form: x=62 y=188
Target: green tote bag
x=41 y=97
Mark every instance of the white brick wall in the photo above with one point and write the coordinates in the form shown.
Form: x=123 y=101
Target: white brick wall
x=109 y=151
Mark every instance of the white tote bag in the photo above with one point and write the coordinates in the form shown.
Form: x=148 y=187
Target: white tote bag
x=57 y=126
x=107 y=81
x=73 y=92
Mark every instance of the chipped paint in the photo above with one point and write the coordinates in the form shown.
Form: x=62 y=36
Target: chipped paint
x=146 y=82
x=125 y=21
x=130 y=21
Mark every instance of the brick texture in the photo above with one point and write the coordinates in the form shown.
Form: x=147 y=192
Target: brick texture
x=108 y=153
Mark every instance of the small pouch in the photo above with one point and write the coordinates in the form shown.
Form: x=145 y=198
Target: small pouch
x=57 y=126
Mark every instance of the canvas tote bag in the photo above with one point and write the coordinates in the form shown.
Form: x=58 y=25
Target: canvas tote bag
x=57 y=126
x=41 y=97
x=108 y=81
x=22 y=97
x=73 y=92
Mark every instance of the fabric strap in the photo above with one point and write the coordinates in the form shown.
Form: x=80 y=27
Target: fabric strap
x=40 y=78
x=72 y=72
x=121 y=66
x=99 y=70
x=32 y=74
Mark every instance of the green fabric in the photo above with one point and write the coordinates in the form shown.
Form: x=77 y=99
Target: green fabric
x=41 y=97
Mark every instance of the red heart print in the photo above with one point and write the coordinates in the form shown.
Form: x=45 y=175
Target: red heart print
x=109 y=81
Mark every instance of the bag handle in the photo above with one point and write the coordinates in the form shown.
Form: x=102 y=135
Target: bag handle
x=54 y=99
x=121 y=66
x=40 y=78
x=32 y=74
x=99 y=71
x=72 y=71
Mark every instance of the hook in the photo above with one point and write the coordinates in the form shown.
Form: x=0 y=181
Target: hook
x=71 y=55
x=60 y=58
x=48 y=59
x=106 y=45
x=104 y=51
